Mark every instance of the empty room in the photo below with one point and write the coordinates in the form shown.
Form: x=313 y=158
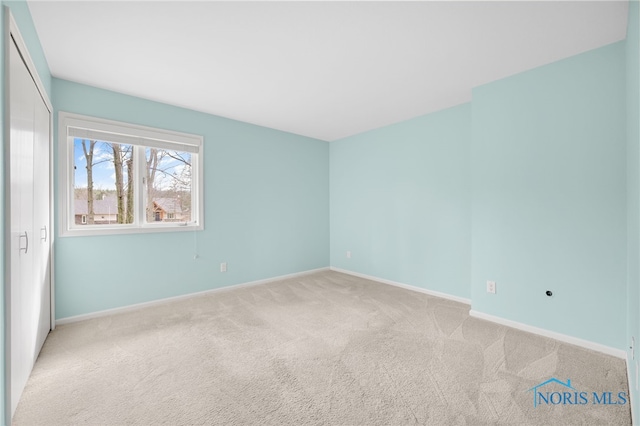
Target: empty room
x=305 y=213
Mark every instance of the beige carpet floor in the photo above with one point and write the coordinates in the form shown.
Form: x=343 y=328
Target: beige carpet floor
x=321 y=349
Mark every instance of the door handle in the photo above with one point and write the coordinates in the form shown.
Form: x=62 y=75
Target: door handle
x=26 y=247
x=45 y=233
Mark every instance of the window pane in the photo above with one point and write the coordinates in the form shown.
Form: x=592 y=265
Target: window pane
x=169 y=188
x=102 y=193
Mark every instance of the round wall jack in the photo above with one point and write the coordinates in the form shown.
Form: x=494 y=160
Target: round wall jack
x=549 y=293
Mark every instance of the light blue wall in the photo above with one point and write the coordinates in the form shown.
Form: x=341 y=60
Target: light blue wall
x=633 y=196
x=266 y=212
x=22 y=16
x=530 y=193
x=400 y=202
x=549 y=196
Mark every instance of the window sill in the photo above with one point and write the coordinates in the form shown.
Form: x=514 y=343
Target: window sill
x=124 y=230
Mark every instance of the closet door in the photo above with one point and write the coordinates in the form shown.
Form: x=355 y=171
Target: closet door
x=29 y=309
x=41 y=219
x=21 y=166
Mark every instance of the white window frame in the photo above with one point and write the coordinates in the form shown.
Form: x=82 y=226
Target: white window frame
x=141 y=137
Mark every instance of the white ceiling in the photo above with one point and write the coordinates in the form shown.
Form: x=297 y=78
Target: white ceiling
x=320 y=69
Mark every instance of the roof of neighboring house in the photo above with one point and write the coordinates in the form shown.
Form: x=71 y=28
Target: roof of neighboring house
x=169 y=205
x=106 y=206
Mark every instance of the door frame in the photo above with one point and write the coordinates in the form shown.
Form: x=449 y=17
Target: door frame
x=11 y=32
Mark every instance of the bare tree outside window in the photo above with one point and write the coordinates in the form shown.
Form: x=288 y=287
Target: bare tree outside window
x=88 y=156
x=168 y=178
x=102 y=191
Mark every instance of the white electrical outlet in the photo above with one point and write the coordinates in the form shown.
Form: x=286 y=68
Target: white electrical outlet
x=491 y=287
x=223 y=267
x=348 y=255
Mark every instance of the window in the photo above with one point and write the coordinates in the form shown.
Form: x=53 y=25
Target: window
x=123 y=178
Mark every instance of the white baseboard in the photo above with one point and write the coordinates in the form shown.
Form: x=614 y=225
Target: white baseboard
x=405 y=286
x=128 y=308
x=618 y=353
x=632 y=391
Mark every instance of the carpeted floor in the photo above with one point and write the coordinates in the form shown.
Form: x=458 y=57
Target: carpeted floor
x=325 y=348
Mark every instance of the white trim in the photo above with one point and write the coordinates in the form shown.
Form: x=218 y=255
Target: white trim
x=137 y=306
x=52 y=220
x=24 y=52
x=618 y=353
x=136 y=130
x=405 y=286
x=6 y=132
x=631 y=388
x=120 y=138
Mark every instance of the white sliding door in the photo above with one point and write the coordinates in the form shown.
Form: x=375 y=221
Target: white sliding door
x=28 y=292
x=21 y=172
x=41 y=220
